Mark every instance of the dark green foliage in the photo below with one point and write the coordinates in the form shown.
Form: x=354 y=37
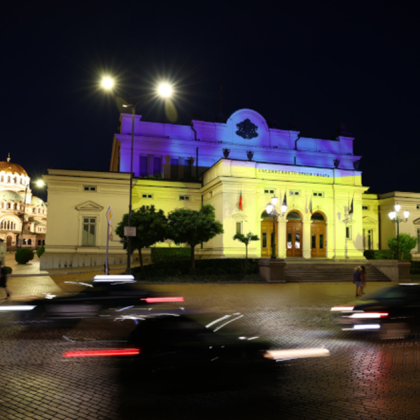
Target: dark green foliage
x=379 y=254
x=170 y=254
x=193 y=227
x=406 y=244
x=8 y=270
x=246 y=239
x=205 y=271
x=40 y=251
x=415 y=267
x=151 y=228
x=23 y=255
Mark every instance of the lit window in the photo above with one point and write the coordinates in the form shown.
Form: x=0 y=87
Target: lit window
x=89 y=231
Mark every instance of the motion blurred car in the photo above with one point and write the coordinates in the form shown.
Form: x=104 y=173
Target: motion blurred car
x=391 y=312
x=107 y=296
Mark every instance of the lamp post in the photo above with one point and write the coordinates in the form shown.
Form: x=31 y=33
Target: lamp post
x=271 y=211
x=164 y=90
x=20 y=241
x=396 y=218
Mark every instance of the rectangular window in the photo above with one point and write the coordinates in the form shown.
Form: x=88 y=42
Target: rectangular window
x=365 y=207
x=418 y=206
x=89 y=231
x=147 y=196
x=264 y=240
x=184 y=197
x=321 y=241
x=348 y=232
x=294 y=193
x=89 y=188
x=318 y=194
x=370 y=239
x=157 y=167
x=174 y=168
x=268 y=191
x=143 y=166
x=313 y=241
x=239 y=227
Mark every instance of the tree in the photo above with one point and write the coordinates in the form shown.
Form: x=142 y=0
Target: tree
x=246 y=239
x=151 y=228
x=406 y=244
x=193 y=227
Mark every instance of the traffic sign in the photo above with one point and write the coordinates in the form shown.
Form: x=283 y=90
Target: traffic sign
x=109 y=215
x=130 y=231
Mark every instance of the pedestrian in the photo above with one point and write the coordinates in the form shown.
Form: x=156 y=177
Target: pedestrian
x=3 y=279
x=363 y=278
x=357 y=280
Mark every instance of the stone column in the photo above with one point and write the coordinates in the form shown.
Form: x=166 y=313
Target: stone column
x=306 y=233
x=281 y=237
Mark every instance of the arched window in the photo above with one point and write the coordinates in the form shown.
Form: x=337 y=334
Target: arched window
x=43 y=242
x=39 y=242
x=29 y=241
x=34 y=210
x=39 y=211
x=16 y=206
x=8 y=179
x=9 y=205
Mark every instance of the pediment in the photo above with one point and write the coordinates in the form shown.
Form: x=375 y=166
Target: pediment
x=239 y=216
x=416 y=222
x=89 y=205
x=368 y=219
x=348 y=221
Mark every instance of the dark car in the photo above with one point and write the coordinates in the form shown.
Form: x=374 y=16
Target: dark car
x=108 y=296
x=391 y=312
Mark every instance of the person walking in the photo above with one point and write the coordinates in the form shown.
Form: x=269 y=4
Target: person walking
x=357 y=280
x=3 y=279
x=363 y=278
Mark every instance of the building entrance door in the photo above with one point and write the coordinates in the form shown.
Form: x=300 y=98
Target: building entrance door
x=294 y=235
x=9 y=243
x=267 y=237
x=318 y=237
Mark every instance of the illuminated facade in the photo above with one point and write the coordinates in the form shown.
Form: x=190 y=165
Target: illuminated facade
x=16 y=204
x=214 y=163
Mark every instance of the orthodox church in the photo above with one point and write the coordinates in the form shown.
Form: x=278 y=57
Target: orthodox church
x=23 y=216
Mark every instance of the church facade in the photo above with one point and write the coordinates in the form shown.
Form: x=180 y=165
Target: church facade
x=237 y=167
x=23 y=216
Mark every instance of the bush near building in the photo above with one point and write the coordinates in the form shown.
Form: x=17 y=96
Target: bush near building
x=40 y=251
x=379 y=254
x=23 y=255
x=9 y=270
x=206 y=271
x=170 y=254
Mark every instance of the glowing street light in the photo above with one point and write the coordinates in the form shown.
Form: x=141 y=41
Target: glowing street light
x=396 y=218
x=163 y=90
x=40 y=183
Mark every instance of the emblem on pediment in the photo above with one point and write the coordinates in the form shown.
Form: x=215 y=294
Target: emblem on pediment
x=247 y=129
x=239 y=216
x=89 y=205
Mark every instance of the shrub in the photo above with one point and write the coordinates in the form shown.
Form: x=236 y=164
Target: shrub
x=205 y=270
x=415 y=267
x=164 y=255
x=379 y=254
x=23 y=255
x=8 y=270
x=40 y=251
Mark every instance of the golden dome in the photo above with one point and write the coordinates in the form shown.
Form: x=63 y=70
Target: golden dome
x=12 y=168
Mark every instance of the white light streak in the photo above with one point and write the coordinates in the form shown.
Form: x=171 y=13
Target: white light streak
x=16 y=308
x=228 y=322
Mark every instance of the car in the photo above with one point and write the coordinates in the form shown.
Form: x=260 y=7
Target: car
x=108 y=296
x=390 y=312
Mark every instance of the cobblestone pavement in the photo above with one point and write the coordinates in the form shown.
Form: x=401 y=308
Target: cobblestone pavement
x=362 y=379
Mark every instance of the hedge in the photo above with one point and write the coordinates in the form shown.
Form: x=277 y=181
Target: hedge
x=40 y=251
x=8 y=270
x=162 y=255
x=23 y=255
x=379 y=254
x=205 y=270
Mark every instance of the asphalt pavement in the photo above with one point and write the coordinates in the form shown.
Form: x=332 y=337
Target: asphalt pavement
x=362 y=379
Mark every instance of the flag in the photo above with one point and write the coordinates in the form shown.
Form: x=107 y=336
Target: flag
x=351 y=206
x=310 y=206
x=284 y=200
x=240 y=202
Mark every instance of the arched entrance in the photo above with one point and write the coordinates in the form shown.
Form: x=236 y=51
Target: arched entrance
x=294 y=234
x=318 y=236
x=9 y=243
x=267 y=236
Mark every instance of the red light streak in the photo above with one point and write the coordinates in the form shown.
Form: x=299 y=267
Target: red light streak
x=102 y=353
x=163 y=299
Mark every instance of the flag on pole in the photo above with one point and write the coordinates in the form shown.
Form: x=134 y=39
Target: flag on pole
x=310 y=206
x=351 y=206
x=285 y=199
x=240 y=202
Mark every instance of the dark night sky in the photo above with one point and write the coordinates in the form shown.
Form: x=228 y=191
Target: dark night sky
x=309 y=63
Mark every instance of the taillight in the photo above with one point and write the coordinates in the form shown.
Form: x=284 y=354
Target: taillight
x=369 y=315
x=163 y=299
x=102 y=353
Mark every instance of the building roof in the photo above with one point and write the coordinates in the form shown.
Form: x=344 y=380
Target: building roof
x=10 y=196
x=12 y=168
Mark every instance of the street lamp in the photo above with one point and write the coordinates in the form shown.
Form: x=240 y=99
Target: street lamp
x=271 y=211
x=396 y=218
x=164 y=90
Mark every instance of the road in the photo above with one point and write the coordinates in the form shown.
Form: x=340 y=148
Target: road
x=362 y=379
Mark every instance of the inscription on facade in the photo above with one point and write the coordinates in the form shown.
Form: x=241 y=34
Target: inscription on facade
x=278 y=172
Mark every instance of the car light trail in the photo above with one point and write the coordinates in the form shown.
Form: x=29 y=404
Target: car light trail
x=228 y=322
x=122 y=278
x=17 y=308
x=369 y=315
x=363 y=327
x=342 y=308
x=163 y=299
x=102 y=353
x=295 y=354
x=218 y=320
